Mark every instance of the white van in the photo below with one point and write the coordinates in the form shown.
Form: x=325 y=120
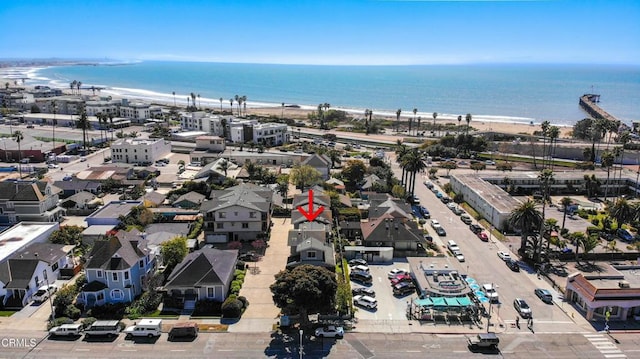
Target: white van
x=110 y=328
x=145 y=328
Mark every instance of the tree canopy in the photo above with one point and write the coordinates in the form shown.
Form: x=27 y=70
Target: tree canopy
x=305 y=289
x=173 y=252
x=304 y=176
x=67 y=235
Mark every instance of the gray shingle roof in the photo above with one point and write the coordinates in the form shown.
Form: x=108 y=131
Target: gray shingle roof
x=116 y=254
x=17 y=273
x=205 y=267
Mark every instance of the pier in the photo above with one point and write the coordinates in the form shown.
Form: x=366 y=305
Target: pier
x=588 y=102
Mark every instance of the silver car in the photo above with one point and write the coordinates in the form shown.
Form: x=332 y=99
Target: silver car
x=522 y=307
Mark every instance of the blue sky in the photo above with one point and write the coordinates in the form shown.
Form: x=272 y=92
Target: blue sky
x=325 y=32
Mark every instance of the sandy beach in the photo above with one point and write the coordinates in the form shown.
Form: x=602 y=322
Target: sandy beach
x=504 y=127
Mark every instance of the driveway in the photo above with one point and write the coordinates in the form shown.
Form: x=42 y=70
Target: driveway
x=261 y=311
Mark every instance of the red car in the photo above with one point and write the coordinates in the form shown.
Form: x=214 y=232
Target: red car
x=483 y=237
x=400 y=278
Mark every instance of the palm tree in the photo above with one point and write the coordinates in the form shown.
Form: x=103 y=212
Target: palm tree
x=220 y=104
x=554 y=133
x=110 y=115
x=413 y=163
x=468 y=119
x=606 y=159
x=415 y=111
x=199 y=104
x=434 y=115
x=368 y=123
x=401 y=152
x=459 y=124
x=622 y=211
x=623 y=138
x=237 y=98
x=18 y=137
x=83 y=123
x=545 y=130
x=244 y=104
x=224 y=166
x=418 y=128
x=188 y=102
x=565 y=202
x=174 y=98
x=231 y=106
x=527 y=219
x=398 y=112
x=282 y=114
x=193 y=100
x=78 y=86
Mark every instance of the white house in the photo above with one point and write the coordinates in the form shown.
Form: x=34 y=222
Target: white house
x=137 y=112
x=139 y=151
x=270 y=134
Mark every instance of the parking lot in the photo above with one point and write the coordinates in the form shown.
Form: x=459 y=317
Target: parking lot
x=389 y=306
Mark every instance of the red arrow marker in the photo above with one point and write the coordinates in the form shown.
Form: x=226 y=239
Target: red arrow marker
x=311 y=215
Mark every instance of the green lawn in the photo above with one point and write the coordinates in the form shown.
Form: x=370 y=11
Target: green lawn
x=6 y=313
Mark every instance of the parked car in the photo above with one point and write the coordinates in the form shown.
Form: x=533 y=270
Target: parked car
x=44 y=292
x=425 y=212
x=360 y=268
x=428 y=184
x=361 y=277
x=428 y=238
x=363 y=291
x=445 y=199
x=109 y=328
x=145 y=328
x=435 y=223
x=466 y=219
x=483 y=237
x=451 y=205
x=522 y=307
x=184 y=330
x=441 y=232
x=395 y=272
x=358 y=261
x=404 y=288
x=249 y=257
x=504 y=255
x=457 y=211
x=401 y=278
x=544 y=295
x=330 y=331
x=365 y=301
x=624 y=235
x=475 y=228
x=513 y=265
x=66 y=330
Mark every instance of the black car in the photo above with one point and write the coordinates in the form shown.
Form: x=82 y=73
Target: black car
x=357 y=262
x=363 y=291
x=513 y=265
x=475 y=228
x=249 y=257
x=441 y=232
x=404 y=288
x=361 y=277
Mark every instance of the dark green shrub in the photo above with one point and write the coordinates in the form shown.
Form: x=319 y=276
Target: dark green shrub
x=72 y=312
x=86 y=323
x=232 y=308
x=595 y=222
x=245 y=302
x=58 y=322
x=108 y=311
x=207 y=308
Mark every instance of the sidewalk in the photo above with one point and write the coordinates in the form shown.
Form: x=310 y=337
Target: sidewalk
x=262 y=314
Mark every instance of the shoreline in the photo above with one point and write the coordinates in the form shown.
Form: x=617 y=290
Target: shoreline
x=505 y=124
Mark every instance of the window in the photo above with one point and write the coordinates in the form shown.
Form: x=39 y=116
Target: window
x=311 y=254
x=219 y=225
x=235 y=214
x=245 y=225
x=99 y=274
x=117 y=294
x=222 y=214
x=114 y=276
x=54 y=267
x=210 y=293
x=252 y=214
x=126 y=275
x=141 y=263
x=100 y=296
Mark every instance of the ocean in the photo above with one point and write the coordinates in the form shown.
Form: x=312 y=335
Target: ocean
x=501 y=93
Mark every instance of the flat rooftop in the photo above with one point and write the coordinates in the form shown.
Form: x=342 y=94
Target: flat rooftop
x=437 y=277
x=501 y=200
x=21 y=235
